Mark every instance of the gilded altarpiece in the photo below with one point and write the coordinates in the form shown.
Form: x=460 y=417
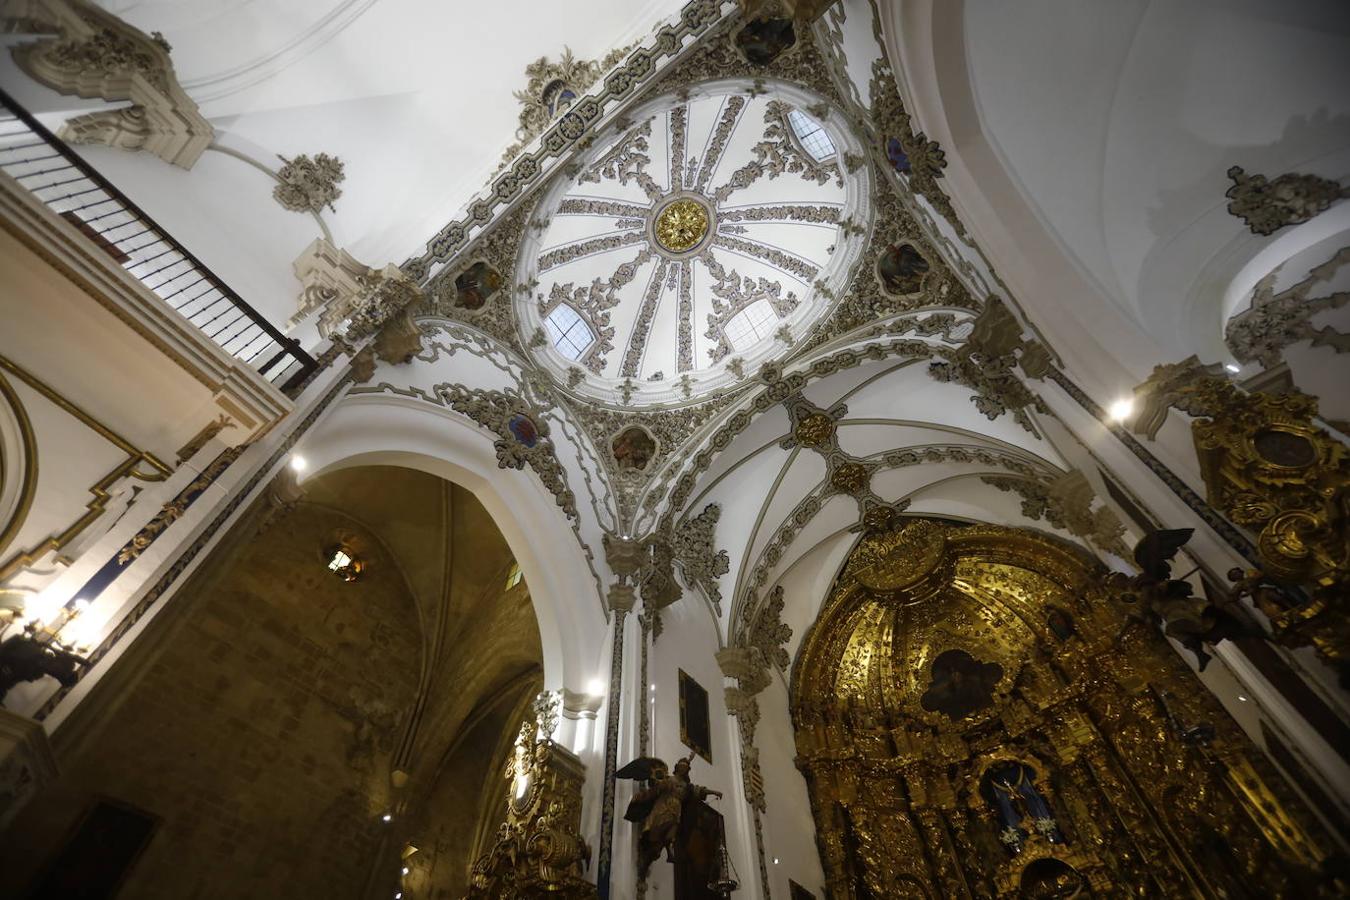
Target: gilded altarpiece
x=539 y=850
x=977 y=716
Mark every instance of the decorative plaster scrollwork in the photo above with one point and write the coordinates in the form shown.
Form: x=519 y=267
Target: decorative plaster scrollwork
x=767 y=633
x=1067 y=502
x=701 y=563
x=95 y=54
x=721 y=134
x=308 y=184
x=497 y=248
x=1171 y=385
x=985 y=365
x=759 y=645
x=1267 y=205
x=522 y=435
x=776 y=154
x=925 y=157
x=1272 y=322
x=731 y=293
x=551 y=90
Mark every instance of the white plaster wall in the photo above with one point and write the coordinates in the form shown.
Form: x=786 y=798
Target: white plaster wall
x=689 y=641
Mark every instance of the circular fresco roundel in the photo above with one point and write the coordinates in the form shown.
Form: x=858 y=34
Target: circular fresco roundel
x=691 y=245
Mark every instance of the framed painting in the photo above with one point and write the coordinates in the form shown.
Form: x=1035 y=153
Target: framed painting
x=695 y=726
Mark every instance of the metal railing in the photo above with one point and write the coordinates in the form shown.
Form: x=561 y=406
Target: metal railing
x=72 y=189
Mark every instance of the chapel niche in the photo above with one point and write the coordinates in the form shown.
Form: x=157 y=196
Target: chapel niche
x=977 y=716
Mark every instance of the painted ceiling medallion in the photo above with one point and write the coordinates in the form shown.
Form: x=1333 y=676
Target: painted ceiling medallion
x=691 y=245
x=682 y=225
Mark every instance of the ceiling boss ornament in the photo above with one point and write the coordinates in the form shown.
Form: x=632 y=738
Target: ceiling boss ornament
x=682 y=225
x=309 y=184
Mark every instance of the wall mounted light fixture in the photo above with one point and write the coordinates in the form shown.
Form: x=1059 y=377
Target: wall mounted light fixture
x=46 y=645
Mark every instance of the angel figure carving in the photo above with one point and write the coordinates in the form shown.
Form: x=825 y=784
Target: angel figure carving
x=661 y=805
x=1192 y=621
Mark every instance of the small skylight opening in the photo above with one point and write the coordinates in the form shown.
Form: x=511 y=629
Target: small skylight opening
x=340 y=560
x=811 y=135
x=568 y=331
x=514 y=576
x=751 y=325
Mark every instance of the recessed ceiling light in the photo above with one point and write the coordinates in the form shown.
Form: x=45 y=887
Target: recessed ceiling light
x=1232 y=367
x=1122 y=409
x=298 y=462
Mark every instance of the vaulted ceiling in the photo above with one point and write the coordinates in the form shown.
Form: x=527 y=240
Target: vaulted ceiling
x=1088 y=146
x=416 y=98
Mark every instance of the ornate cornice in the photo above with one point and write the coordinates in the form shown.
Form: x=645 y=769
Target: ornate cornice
x=567 y=133
x=546 y=95
x=94 y=54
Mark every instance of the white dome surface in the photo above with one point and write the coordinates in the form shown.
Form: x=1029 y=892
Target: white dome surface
x=689 y=248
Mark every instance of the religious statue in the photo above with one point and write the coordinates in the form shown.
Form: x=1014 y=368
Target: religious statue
x=1193 y=621
x=1011 y=789
x=661 y=806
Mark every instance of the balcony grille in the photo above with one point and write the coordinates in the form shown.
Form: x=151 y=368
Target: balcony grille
x=72 y=189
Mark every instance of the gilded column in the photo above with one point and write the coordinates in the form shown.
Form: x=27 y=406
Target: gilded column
x=929 y=791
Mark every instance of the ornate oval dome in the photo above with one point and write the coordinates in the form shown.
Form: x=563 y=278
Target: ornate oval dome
x=701 y=239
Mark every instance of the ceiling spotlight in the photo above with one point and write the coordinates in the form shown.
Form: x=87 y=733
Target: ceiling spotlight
x=386 y=818
x=299 y=463
x=1122 y=409
x=595 y=687
x=1242 y=698
x=1232 y=367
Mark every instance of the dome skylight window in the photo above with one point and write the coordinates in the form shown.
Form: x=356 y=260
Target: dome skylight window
x=813 y=138
x=752 y=324
x=568 y=331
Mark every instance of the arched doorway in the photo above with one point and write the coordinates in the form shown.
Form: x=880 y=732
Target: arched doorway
x=976 y=715
x=330 y=705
